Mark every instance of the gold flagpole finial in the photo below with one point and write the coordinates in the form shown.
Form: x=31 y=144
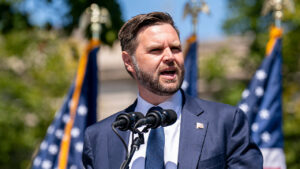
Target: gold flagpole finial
x=98 y=16
x=277 y=7
x=193 y=8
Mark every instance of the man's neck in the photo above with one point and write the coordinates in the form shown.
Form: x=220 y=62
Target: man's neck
x=152 y=97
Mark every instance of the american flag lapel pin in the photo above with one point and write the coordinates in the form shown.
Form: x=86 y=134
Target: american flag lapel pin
x=199 y=125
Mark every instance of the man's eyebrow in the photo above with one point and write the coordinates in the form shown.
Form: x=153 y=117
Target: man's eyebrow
x=159 y=45
x=176 y=44
x=152 y=46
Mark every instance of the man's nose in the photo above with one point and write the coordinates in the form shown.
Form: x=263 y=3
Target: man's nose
x=168 y=56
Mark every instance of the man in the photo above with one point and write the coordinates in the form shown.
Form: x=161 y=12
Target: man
x=205 y=135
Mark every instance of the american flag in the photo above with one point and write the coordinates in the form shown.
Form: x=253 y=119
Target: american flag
x=63 y=144
x=262 y=103
x=189 y=84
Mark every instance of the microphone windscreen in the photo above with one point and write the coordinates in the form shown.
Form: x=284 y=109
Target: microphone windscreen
x=172 y=116
x=138 y=115
x=125 y=121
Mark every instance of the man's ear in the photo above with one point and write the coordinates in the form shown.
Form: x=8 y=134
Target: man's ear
x=128 y=62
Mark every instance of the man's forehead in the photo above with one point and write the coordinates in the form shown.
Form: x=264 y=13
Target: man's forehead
x=156 y=30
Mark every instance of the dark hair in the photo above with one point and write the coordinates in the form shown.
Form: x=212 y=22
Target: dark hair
x=128 y=33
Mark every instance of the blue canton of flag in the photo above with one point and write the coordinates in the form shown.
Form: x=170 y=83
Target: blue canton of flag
x=263 y=105
x=63 y=144
x=189 y=84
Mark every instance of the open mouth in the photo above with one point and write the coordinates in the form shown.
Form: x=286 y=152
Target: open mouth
x=168 y=73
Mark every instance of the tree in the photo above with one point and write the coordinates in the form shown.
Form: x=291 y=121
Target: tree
x=37 y=66
x=11 y=18
x=63 y=15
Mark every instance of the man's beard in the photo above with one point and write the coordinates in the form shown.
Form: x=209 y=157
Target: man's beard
x=153 y=84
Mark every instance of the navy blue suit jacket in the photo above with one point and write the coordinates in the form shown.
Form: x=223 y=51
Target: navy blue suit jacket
x=224 y=142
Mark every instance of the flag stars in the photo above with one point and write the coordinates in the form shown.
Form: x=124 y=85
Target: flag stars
x=264 y=114
x=254 y=127
x=59 y=133
x=47 y=164
x=261 y=75
x=44 y=145
x=244 y=107
x=57 y=114
x=67 y=129
x=53 y=149
x=259 y=91
x=66 y=118
x=79 y=146
x=266 y=137
x=75 y=132
x=37 y=161
x=82 y=110
x=50 y=129
x=245 y=93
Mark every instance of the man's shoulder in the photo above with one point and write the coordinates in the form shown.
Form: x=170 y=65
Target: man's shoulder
x=103 y=126
x=211 y=105
x=212 y=109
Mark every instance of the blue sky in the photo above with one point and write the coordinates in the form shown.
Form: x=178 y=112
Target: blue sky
x=209 y=27
x=40 y=12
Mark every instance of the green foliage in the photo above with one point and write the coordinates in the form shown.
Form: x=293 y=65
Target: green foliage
x=215 y=71
x=14 y=17
x=212 y=69
x=36 y=69
x=10 y=18
x=244 y=17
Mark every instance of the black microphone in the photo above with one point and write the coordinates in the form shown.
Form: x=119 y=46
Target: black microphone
x=156 y=116
x=126 y=121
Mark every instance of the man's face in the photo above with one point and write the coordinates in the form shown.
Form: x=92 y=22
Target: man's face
x=159 y=62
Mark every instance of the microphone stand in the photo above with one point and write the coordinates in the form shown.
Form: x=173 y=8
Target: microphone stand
x=135 y=145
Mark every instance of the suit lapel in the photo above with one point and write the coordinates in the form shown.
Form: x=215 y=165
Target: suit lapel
x=116 y=151
x=192 y=134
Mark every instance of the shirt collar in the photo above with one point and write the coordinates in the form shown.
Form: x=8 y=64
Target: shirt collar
x=174 y=103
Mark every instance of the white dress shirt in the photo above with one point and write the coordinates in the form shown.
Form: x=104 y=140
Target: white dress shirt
x=171 y=132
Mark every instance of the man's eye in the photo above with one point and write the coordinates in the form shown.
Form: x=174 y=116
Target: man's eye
x=156 y=50
x=176 y=49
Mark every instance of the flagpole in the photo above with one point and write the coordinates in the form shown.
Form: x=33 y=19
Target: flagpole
x=95 y=21
x=98 y=15
x=278 y=13
x=193 y=8
x=276 y=6
x=190 y=85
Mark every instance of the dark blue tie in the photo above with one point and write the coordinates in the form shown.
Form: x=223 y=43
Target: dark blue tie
x=155 y=149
